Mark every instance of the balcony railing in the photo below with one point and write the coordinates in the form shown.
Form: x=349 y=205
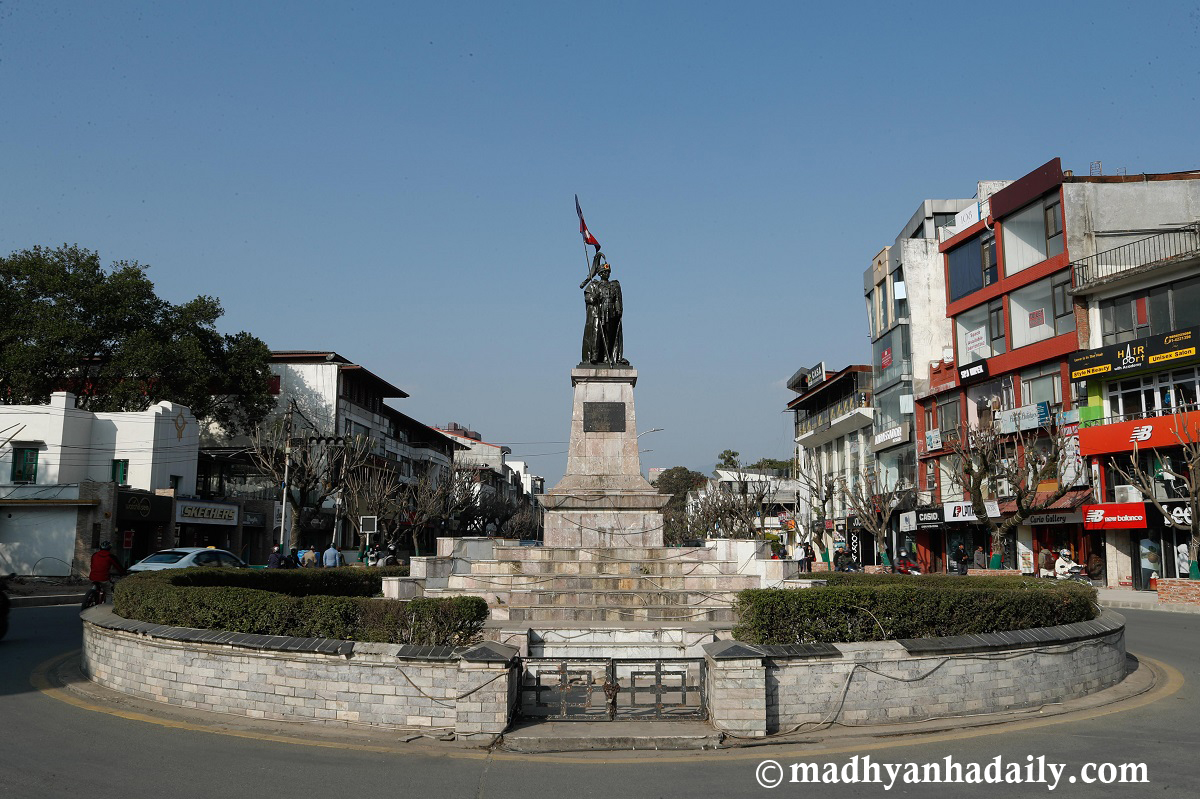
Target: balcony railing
x=827 y=417
x=1134 y=416
x=1164 y=246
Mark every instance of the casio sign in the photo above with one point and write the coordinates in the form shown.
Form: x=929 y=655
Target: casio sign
x=928 y=516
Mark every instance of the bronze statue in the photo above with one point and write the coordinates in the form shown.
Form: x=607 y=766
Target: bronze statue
x=603 y=341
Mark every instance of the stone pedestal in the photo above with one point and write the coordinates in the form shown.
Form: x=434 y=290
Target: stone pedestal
x=603 y=500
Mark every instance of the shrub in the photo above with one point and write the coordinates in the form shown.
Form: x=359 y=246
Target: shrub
x=283 y=602
x=883 y=607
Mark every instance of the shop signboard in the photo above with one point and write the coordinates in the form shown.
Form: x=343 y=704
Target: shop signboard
x=965 y=511
x=252 y=519
x=1179 y=512
x=885 y=360
x=1050 y=518
x=1115 y=516
x=908 y=521
x=189 y=511
x=929 y=518
x=1141 y=353
x=973 y=372
x=134 y=506
x=976 y=339
x=1152 y=433
x=933 y=440
x=1027 y=417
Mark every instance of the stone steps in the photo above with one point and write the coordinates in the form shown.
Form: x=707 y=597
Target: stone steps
x=629 y=583
x=605 y=567
x=620 y=599
x=575 y=554
x=648 y=613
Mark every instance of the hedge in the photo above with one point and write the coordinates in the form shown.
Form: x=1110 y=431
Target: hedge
x=223 y=599
x=886 y=607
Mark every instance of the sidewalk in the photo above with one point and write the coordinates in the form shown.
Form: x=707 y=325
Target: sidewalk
x=1138 y=600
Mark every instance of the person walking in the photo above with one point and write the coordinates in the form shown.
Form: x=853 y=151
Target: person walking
x=332 y=557
x=980 y=558
x=310 y=559
x=275 y=559
x=961 y=559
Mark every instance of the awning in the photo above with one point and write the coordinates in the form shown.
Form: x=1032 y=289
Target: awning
x=1071 y=500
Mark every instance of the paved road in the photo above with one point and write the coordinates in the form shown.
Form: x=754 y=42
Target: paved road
x=52 y=749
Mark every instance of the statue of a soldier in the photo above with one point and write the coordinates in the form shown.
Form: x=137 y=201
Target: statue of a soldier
x=603 y=341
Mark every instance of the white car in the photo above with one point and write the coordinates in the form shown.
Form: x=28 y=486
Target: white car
x=183 y=557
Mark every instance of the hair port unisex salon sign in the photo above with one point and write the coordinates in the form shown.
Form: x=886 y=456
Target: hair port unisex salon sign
x=1134 y=355
x=194 y=512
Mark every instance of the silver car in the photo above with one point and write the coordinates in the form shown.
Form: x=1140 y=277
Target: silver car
x=183 y=557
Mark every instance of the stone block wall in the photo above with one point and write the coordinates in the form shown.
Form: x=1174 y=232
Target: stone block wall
x=994 y=572
x=1178 y=591
x=737 y=696
x=371 y=685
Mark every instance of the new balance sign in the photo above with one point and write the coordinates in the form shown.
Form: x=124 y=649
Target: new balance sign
x=1115 y=516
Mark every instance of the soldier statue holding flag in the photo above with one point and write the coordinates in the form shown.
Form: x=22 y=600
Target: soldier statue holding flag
x=603 y=340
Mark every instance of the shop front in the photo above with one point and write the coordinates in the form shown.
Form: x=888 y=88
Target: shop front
x=1134 y=553
x=922 y=534
x=1045 y=535
x=200 y=523
x=964 y=527
x=142 y=522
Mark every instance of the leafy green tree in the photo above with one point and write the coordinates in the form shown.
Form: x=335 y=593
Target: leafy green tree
x=677 y=481
x=69 y=324
x=771 y=465
x=728 y=459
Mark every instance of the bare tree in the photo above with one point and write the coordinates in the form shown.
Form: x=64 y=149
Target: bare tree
x=874 y=500
x=1009 y=464
x=1187 y=474
x=818 y=491
x=437 y=497
x=373 y=489
x=312 y=467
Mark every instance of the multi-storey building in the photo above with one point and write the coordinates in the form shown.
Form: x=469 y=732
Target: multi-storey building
x=906 y=314
x=1019 y=313
x=70 y=478
x=833 y=418
x=1136 y=263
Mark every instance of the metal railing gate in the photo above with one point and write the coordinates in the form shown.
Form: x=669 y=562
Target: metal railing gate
x=612 y=689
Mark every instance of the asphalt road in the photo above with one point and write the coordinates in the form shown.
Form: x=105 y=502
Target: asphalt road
x=49 y=748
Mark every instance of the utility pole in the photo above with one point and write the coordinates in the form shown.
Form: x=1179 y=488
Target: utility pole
x=287 y=462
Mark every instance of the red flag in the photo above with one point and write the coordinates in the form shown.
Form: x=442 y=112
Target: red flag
x=588 y=238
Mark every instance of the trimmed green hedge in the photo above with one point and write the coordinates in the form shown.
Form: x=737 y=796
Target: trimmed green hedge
x=885 y=607
x=280 y=602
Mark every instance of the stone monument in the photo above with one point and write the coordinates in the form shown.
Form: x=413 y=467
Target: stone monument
x=603 y=500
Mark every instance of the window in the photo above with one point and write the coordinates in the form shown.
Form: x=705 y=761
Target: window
x=1064 y=308
x=120 y=472
x=996 y=326
x=1150 y=313
x=949 y=419
x=1043 y=384
x=971 y=328
x=985 y=400
x=176 y=481
x=899 y=293
x=1032 y=313
x=931 y=470
x=972 y=265
x=24 y=465
x=1154 y=395
x=1032 y=234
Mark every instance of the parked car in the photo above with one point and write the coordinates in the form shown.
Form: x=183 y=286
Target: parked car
x=183 y=557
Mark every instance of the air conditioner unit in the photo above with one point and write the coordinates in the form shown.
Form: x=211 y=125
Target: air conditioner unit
x=1127 y=494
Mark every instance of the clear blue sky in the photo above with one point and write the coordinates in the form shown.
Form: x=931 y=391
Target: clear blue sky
x=394 y=181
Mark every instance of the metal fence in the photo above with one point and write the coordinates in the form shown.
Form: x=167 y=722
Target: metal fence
x=1161 y=247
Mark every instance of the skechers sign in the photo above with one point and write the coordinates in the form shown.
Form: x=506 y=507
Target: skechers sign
x=205 y=513
x=1115 y=516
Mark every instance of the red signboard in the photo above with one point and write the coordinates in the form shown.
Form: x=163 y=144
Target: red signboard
x=128 y=542
x=1157 y=431
x=1115 y=516
x=885 y=360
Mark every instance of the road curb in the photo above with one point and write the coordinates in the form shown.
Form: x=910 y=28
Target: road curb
x=46 y=600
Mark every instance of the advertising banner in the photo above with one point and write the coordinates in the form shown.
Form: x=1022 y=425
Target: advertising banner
x=1155 y=432
x=964 y=512
x=1115 y=516
x=929 y=518
x=194 y=512
x=1138 y=354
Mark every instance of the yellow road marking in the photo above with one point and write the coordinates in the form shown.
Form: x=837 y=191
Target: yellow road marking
x=1164 y=688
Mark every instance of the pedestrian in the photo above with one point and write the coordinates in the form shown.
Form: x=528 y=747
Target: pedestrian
x=292 y=560
x=980 y=558
x=310 y=559
x=332 y=557
x=1045 y=563
x=961 y=559
x=801 y=556
x=275 y=560
x=300 y=557
x=810 y=557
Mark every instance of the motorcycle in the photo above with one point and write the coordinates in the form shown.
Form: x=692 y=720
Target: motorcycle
x=4 y=603
x=1077 y=574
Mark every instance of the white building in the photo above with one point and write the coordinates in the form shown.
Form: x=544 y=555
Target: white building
x=70 y=477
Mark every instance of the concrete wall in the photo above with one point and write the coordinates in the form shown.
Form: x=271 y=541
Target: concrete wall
x=368 y=686
x=883 y=682
x=1102 y=216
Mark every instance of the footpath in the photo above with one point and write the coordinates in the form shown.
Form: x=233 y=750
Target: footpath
x=35 y=592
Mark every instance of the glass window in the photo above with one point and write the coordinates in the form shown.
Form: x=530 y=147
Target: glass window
x=1185 y=300
x=1042 y=385
x=1031 y=312
x=988 y=259
x=166 y=556
x=948 y=419
x=996 y=326
x=1032 y=234
x=1064 y=308
x=966 y=268
x=985 y=400
x=900 y=293
x=120 y=472
x=1054 y=228
x=971 y=330
x=24 y=465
